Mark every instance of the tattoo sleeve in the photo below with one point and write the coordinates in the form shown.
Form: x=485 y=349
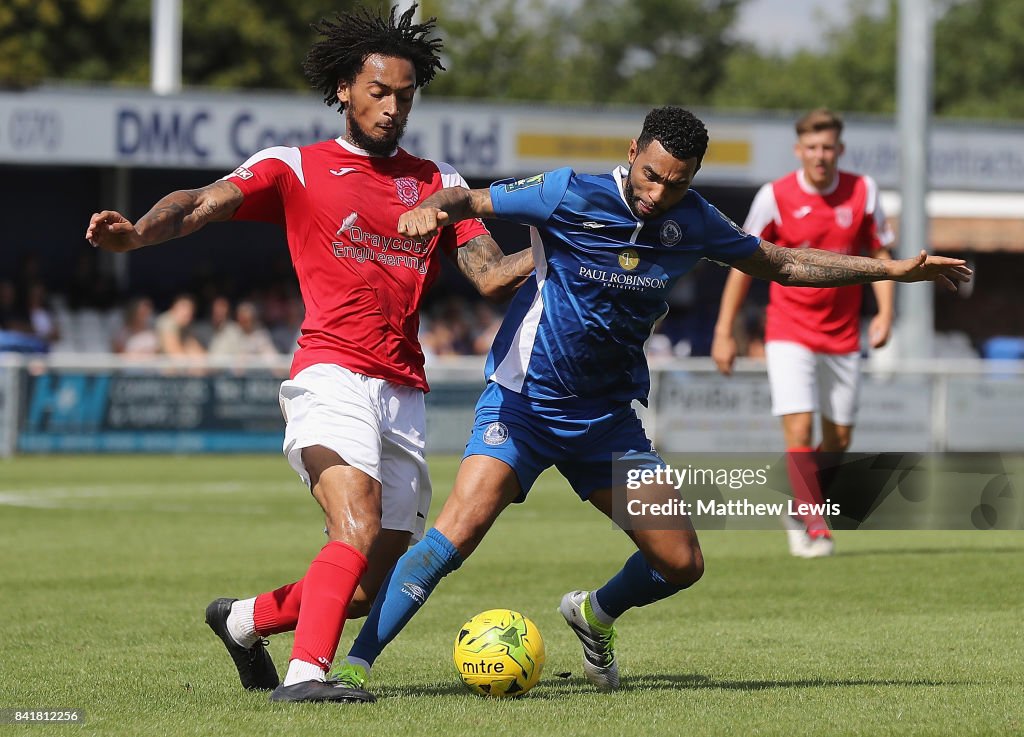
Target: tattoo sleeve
x=810 y=267
x=494 y=274
x=461 y=203
x=186 y=211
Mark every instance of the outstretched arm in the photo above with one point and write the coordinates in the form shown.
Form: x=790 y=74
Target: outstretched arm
x=177 y=214
x=495 y=275
x=446 y=207
x=810 y=267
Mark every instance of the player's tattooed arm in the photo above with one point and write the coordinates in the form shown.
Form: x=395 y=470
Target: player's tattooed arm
x=810 y=267
x=175 y=215
x=445 y=207
x=495 y=275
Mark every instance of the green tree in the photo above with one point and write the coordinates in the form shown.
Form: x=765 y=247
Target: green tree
x=627 y=51
x=226 y=43
x=979 y=60
x=499 y=49
x=586 y=51
x=855 y=72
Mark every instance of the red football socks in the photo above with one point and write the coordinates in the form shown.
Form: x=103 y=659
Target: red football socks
x=278 y=610
x=803 y=478
x=326 y=590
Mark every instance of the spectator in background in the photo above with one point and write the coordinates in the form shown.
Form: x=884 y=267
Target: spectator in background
x=40 y=316
x=16 y=331
x=244 y=337
x=487 y=322
x=450 y=333
x=812 y=334
x=137 y=338
x=287 y=331
x=220 y=330
x=174 y=329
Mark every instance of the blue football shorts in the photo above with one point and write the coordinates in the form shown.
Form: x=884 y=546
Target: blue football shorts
x=579 y=438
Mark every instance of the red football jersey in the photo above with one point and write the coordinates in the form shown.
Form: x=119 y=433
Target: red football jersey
x=362 y=283
x=847 y=218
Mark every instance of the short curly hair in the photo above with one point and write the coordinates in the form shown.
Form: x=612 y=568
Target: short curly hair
x=679 y=131
x=820 y=119
x=347 y=40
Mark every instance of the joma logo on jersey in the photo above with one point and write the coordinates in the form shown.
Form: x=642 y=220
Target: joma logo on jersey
x=629 y=259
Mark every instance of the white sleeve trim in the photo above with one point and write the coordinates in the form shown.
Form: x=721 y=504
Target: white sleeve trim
x=449 y=176
x=873 y=207
x=763 y=210
x=286 y=154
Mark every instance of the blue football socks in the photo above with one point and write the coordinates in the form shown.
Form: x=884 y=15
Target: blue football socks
x=404 y=591
x=637 y=584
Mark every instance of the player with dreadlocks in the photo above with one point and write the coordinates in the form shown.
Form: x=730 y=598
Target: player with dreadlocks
x=353 y=405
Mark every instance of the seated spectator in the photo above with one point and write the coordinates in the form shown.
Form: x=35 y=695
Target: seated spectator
x=40 y=316
x=137 y=338
x=220 y=332
x=16 y=333
x=450 y=332
x=174 y=329
x=487 y=323
x=249 y=338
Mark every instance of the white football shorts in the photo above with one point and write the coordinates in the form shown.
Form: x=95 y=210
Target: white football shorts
x=374 y=425
x=804 y=381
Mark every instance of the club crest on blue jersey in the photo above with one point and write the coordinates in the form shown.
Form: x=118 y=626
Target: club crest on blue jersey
x=670 y=233
x=525 y=183
x=496 y=433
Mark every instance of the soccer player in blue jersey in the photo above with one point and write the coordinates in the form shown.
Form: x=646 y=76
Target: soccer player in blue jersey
x=569 y=359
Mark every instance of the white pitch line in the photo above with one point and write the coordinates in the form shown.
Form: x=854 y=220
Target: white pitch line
x=68 y=503
x=145 y=489
x=73 y=497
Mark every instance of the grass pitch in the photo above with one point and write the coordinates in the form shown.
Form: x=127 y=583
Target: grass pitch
x=106 y=566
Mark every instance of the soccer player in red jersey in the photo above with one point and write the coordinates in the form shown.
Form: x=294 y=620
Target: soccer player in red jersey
x=354 y=403
x=812 y=335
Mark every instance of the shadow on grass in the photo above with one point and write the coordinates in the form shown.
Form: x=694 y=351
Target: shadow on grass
x=554 y=687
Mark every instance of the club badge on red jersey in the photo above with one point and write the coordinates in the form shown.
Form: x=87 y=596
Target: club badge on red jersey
x=408 y=190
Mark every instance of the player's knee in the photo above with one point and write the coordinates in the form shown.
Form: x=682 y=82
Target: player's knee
x=684 y=569
x=358 y=533
x=359 y=607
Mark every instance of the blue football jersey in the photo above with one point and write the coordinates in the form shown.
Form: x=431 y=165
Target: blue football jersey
x=577 y=330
